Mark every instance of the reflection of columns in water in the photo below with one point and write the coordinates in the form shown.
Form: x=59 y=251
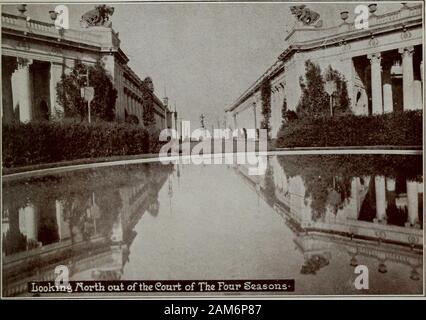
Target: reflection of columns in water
x=117 y=230
x=380 y=198
x=28 y=222
x=376 y=83
x=390 y=184
x=412 y=203
x=63 y=226
x=382 y=268
x=391 y=194
x=354 y=205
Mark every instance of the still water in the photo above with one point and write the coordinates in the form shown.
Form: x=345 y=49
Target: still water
x=309 y=218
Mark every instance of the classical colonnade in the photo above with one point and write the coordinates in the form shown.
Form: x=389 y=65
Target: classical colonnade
x=134 y=104
x=381 y=84
x=29 y=88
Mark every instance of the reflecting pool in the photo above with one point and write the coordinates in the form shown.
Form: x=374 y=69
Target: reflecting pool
x=309 y=218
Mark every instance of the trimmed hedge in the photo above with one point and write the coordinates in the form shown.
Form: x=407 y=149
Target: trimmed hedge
x=394 y=129
x=47 y=142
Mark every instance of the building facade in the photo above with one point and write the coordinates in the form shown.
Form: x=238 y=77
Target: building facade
x=35 y=54
x=382 y=65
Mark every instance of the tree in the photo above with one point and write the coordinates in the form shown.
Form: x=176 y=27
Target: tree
x=103 y=104
x=341 y=99
x=69 y=96
x=314 y=100
x=148 y=117
x=287 y=115
x=265 y=91
x=68 y=92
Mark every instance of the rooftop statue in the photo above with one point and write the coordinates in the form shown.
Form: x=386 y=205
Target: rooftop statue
x=97 y=17
x=306 y=16
x=149 y=84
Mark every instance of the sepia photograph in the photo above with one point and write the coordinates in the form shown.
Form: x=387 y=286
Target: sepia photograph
x=189 y=149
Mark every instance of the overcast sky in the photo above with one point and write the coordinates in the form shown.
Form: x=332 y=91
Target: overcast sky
x=204 y=54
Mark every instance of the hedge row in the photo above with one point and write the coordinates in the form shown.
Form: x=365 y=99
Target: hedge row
x=394 y=129
x=47 y=142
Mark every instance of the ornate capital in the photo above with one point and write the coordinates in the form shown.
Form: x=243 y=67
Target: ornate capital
x=375 y=58
x=406 y=51
x=24 y=62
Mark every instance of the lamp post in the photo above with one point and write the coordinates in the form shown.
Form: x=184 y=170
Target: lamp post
x=88 y=93
x=330 y=88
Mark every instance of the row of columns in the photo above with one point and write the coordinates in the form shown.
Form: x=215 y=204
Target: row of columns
x=134 y=104
x=381 y=185
x=381 y=83
x=17 y=88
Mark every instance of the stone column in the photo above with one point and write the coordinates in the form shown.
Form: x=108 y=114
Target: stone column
x=376 y=83
x=380 y=188
x=412 y=204
x=387 y=89
x=55 y=76
x=407 y=77
x=9 y=65
x=23 y=84
x=417 y=86
x=235 y=120
x=417 y=94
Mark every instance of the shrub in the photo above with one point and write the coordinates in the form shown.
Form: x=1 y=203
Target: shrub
x=46 y=142
x=395 y=129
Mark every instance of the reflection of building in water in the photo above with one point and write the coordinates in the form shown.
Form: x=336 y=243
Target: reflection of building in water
x=378 y=217
x=90 y=232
